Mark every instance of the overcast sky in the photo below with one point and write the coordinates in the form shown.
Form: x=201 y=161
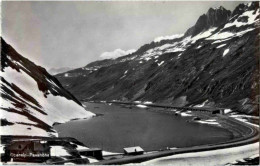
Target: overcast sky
x=73 y=34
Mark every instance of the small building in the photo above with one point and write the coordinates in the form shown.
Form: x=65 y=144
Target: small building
x=137 y=150
x=28 y=150
x=94 y=152
x=217 y=111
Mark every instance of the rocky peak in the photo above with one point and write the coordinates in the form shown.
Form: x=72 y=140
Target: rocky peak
x=241 y=8
x=213 y=18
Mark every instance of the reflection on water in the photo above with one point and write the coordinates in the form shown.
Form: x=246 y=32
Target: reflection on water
x=120 y=127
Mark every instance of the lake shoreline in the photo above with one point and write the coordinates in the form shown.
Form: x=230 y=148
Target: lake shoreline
x=142 y=113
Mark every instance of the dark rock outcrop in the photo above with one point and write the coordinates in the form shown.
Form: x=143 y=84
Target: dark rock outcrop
x=213 y=18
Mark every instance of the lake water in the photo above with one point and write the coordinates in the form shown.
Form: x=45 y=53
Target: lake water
x=121 y=127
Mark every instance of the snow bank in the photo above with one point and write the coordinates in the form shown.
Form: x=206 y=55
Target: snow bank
x=148 y=102
x=21 y=129
x=201 y=105
x=141 y=106
x=58 y=108
x=185 y=114
x=91 y=160
x=226 y=111
x=242 y=119
x=14 y=117
x=210 y=122
x=2 y=149
x=213 y=157
x=246 y=116
x=59 y=151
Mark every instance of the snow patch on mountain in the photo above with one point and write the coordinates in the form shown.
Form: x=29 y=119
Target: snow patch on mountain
x=141 y=106
x=159 y=64
x=225 y=52
x=199 y=46
x=177 y=46
x=222 y=45
x=224 y=36
x=116 y=53
x=251 y=18
x=57 y=108
x=219 y=8
x=203 y=34
x=221 y=35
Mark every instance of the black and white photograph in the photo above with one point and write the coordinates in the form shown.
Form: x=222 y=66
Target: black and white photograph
x=130 y=83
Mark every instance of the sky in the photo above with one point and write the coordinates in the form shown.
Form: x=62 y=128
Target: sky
x=73 y=34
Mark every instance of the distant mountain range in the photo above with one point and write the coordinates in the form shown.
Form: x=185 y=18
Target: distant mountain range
x=54 y=71
x=31 y=99
x=215 y=62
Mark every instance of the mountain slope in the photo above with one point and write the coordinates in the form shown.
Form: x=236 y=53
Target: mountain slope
x=215 y=62
x=31 y=99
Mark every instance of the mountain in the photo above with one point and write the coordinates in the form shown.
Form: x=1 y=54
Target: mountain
x=213 y=18
x=54 y=71
x=31 y=99
x=215 y=63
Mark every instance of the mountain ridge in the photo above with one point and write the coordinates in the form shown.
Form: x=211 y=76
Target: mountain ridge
x=213 y=18
x=215 y=64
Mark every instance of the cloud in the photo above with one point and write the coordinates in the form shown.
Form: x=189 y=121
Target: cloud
x=158 y=39
x=116 y=53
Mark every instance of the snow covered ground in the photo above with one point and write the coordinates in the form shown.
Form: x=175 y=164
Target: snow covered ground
x=212 y=158
x=59 y=151
x=54 y=108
